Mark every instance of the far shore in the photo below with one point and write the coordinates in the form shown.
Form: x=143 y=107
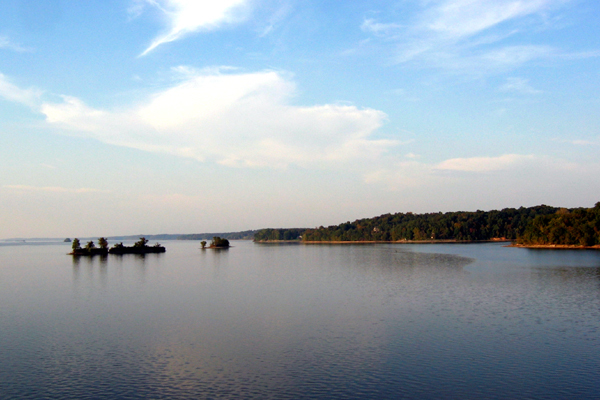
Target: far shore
x=384 y=241
x=555 y=246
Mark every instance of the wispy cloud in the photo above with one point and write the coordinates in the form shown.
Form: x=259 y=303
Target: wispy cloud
x=236 y=119
x=458 y=19
x=526 y=168
x=484 y=164
x=283 y=10
x=413 y=173
x=189 y=16
x=53 y=189
x=518 y=85
x=579 y=142
x=379 y=28
x=11 y=92
x=464 y=35
x=6 y=43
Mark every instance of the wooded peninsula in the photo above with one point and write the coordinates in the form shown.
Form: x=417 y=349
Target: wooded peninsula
x=539 y=226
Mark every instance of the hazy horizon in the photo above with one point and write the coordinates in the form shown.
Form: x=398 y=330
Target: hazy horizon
x=194 y=116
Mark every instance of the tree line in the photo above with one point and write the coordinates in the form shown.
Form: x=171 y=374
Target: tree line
x=580 y=226
x=508 y=223
x=527 y=225
x=265 y=235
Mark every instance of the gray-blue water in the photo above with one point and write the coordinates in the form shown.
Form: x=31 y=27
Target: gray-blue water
x=300 y=322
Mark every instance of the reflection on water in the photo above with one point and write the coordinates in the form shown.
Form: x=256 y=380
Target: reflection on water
x=256 y=321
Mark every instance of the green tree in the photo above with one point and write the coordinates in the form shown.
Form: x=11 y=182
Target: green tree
x=203 y=244
x=219 y=242
x=76 y=245
x=89 y=246
x=141 y=243
x=103 y=243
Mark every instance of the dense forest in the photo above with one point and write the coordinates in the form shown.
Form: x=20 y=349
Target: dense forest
x=580 y=226
x=278 y=234
x=509 y=223
x=537 y=225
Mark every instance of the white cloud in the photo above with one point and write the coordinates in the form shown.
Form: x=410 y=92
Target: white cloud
x=53 y=189
x=236 y=119
x=518 y=85
x=11 y=92
x=484 y=164
x=189 y=16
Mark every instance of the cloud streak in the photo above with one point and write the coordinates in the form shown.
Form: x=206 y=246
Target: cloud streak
x=11 y=92
x=464 y=35
x=189 y=16
x=484 y=164
x=518 y=85
x=6 y=43
x=53 y=189
x=528 y=170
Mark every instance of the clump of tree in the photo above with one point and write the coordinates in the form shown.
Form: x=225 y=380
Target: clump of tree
x=508 y=223
x=580 y=226
x=90 y=248
x=203 y=244
x=143 y=242
x=219 y=243
x=103 y=243
x=139 y=247
x=272 y=235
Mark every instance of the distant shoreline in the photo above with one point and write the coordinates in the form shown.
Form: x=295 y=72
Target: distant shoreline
x=445 y=241
x=556 y=246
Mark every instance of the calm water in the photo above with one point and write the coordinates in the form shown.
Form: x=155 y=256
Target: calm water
x=326 y=322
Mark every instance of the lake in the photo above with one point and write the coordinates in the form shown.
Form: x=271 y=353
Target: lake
x=300 y=322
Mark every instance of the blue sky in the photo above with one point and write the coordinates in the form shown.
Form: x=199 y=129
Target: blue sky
x=181 y=116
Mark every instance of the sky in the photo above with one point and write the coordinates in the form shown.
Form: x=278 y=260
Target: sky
x=186 y=116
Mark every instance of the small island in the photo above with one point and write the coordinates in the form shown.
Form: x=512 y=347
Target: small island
x=216 y=243
x=90 y=249
x=139 y=247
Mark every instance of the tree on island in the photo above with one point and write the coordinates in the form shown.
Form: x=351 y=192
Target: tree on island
x=89 y=246
x=203 y=244
x=143 y=242
x=76 y=245
x=103 y=243
x=218 y=242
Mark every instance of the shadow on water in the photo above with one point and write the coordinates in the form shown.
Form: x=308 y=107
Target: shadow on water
x=102 y=263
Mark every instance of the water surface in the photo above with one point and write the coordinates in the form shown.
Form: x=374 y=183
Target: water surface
x=296 y=321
